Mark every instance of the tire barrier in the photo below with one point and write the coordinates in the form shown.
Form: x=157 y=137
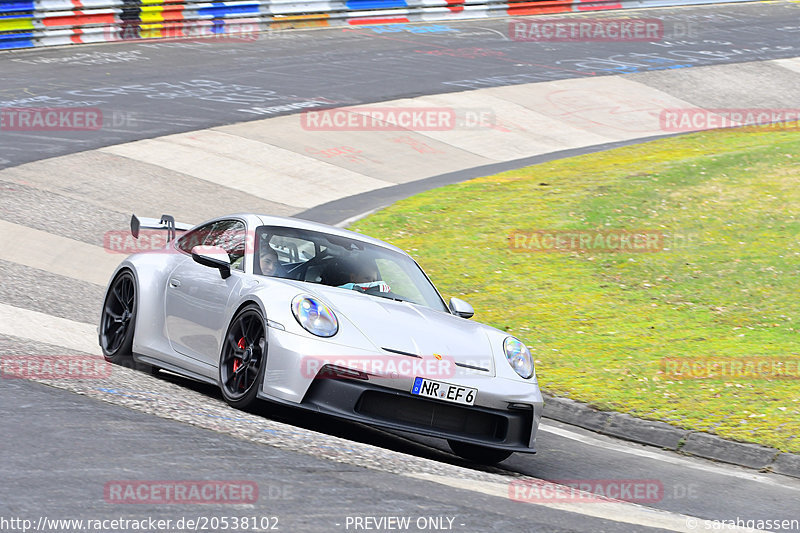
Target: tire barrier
x=35 y=23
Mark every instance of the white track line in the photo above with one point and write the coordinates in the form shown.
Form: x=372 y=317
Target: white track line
x=54 y=253
x=346 y=222
x=791 y=63
x=40 y=327
x=263 y=170
x=665 y=457
x=621 y=512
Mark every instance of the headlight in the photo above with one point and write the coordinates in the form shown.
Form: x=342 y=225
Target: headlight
x=315 y=316
x=519 y=357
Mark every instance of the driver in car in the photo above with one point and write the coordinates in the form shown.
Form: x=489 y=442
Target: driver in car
x=364 y=277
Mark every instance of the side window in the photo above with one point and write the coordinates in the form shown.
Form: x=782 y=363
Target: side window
x=292 y=249
x=278 y=254
x=196 y=237
x=230 y=236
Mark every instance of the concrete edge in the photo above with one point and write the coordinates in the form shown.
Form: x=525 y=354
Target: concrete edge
x=667 y=436
x=347 y=210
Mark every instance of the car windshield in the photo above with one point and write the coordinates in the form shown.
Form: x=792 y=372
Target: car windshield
x=317 y=257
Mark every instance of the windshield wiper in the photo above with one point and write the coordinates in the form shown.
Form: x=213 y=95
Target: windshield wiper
x=381 y=295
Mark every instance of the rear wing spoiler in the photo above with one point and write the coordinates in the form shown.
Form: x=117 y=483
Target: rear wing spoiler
x=166 y=222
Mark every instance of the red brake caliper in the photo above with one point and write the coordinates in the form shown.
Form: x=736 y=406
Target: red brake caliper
x=237 y=362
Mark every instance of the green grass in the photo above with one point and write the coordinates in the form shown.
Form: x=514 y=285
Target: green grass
x=599 y=324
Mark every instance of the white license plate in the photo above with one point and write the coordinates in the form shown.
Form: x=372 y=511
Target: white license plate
x=444 y=391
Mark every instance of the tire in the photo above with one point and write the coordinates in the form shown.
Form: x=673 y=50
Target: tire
x=478 y=454
x=243 y=358
x=118 y=320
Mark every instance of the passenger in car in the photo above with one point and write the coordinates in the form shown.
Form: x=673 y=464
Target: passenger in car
x=268 y=262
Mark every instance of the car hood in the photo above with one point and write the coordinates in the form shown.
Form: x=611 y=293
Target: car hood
x=411 y=329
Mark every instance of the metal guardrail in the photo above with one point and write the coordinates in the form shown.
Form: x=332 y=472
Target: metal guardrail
x=34 y=23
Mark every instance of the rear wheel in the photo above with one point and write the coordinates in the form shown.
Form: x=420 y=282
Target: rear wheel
x=118 y=320
x=477 y=453
x=243 y=358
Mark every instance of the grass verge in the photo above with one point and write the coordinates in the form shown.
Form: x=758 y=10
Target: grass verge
x=723 y=281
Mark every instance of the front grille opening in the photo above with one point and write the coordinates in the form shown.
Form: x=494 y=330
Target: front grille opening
x=472 y=367
x=339 y=372
x=422 y=413
x=401 y=352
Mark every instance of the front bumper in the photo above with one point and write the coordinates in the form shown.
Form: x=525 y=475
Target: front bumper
x=506 y=414
x=361 y=401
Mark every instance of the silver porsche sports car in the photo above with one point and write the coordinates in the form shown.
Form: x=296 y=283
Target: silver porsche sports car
x=325 y=319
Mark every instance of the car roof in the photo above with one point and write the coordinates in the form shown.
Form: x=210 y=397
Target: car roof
x=272 y=220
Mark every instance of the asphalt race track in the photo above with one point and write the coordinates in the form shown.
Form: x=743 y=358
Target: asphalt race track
x=157 y=88
x=63 y=443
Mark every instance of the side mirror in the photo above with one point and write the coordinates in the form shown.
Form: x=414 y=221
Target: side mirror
x=214 y=257
x=461 y=308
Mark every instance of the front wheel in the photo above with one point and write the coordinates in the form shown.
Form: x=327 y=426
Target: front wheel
x=243 y=358
x=478 y=454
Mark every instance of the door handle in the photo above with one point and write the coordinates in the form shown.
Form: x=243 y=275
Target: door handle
x=174 y=283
